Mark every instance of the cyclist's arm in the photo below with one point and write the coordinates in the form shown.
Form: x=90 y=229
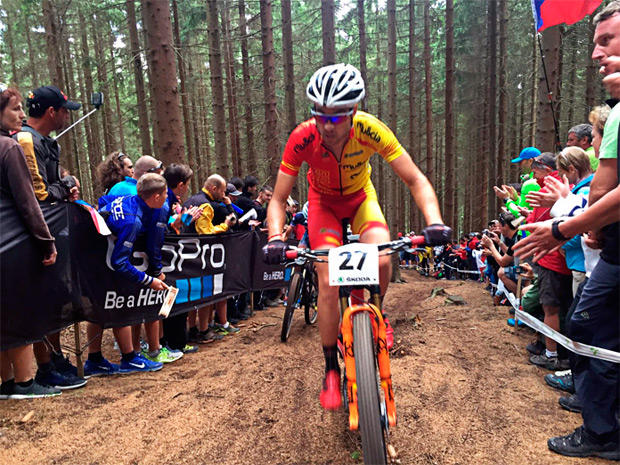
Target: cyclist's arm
x=420 y=187
x=276 y=212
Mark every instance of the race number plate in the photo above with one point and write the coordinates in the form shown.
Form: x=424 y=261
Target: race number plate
x=354 y=264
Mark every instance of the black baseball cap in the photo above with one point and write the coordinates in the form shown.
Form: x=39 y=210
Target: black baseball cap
x=50 y=96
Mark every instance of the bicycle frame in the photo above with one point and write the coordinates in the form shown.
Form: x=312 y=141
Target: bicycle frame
x=383 y=355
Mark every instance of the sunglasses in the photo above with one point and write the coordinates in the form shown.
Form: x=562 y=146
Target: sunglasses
x=335 y=119
x=157 y=168
x=538 y=164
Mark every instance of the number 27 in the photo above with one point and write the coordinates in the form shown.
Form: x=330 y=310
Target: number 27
x=348 y=256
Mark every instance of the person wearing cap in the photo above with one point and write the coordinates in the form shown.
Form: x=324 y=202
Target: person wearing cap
x=554 y=277
x=515 y=203
x=48 y=110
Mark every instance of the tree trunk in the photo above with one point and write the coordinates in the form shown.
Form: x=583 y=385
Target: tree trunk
x=143 y=118
x=289 y=72
x=428 y=91
x=449 y=207
x=269 y=89
x=503 y=92
x=247 y=93
x=117 y=98
x=545 y=130
x=217 y=89
x=231 y=91
x=102 y=76
x=31 y=60
x=52 y=42
x=92 y=124
x=393 y=204
x=327 y=24
x=9 y=21
x=166 y=96
x=413 y=120
x=361 y=25
x=189 y=142
x=492 y=94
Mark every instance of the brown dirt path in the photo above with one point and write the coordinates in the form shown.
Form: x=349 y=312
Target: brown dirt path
x=465 y=394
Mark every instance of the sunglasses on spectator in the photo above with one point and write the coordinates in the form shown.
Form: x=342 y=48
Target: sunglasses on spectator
x=539 y=164
x=156 y=168
x=335 y=119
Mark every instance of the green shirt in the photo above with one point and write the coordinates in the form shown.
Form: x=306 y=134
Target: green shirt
x=592 y=157
x=609 y=145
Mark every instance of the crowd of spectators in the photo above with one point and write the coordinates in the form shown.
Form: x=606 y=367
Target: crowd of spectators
x=140 y=200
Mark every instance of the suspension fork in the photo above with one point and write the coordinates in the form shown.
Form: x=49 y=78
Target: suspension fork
x=383 y=356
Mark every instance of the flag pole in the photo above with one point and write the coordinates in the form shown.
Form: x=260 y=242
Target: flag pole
x=549 y=95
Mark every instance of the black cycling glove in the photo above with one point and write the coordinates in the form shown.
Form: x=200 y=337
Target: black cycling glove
x=437 y=234
x=274 y=252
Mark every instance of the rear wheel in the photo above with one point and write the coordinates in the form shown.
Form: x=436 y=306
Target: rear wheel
x=368 y=400
x=292 y=301
x=310 y=299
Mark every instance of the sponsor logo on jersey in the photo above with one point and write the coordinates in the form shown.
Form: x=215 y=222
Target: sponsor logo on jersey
x=305 y=143
x=354 y=154
x=367 y=131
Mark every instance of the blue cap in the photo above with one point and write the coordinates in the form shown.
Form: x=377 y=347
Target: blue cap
x=526 y=154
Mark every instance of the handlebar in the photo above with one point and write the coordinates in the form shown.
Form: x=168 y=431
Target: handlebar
x=295 y=253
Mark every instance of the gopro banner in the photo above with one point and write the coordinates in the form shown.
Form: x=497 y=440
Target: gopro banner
x=38 y=300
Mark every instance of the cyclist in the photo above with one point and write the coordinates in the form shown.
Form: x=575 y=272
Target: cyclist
x=337 y=144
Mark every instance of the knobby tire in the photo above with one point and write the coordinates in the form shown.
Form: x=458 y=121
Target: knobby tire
x=310 y=299
x=368 y=400
x=291 y=302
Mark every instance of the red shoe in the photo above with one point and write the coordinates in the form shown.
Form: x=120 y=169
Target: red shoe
x=330 y=394
x=389 y=334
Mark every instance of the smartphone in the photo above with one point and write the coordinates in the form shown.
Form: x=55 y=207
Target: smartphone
x=96 y=99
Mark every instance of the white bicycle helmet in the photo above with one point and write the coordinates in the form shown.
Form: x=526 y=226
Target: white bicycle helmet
x=304 y=210
x=336 y=86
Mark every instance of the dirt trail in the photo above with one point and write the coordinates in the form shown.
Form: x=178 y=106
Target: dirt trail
x=465 y=394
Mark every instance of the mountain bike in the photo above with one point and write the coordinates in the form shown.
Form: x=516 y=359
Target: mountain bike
x=367 y=381
x=302 y=293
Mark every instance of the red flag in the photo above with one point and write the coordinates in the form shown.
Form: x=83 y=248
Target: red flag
x=549 y=13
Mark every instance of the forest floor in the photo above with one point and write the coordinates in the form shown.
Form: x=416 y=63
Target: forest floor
x=465 y=394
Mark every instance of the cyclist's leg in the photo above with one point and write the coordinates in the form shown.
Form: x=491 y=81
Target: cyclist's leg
x=370 y=224
x=325 y=232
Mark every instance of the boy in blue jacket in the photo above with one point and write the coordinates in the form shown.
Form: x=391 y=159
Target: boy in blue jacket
x=129 y=217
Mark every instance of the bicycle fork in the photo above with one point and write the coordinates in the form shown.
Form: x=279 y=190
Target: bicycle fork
x=383 y=358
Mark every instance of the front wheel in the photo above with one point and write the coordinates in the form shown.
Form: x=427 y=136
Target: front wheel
x=292 y=301
x=368 y=400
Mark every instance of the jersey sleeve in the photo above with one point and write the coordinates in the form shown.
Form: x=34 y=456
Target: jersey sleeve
x=375 y=133
x=301 y=140
x=204 y=224
x=123 y=248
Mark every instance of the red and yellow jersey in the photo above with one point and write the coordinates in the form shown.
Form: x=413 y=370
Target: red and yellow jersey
x=329 y=176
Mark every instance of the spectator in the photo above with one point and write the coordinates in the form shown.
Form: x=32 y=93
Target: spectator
x=115 y=168
x=48 y=110
x=517 y=204
x=17 y=192
x=554 y=277
x=249 y=192
x=581 y=136
x=144 y=164
x=237 y=182
x=216 y=218
x=128 y=217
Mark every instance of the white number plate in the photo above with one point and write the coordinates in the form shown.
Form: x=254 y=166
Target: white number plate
x=354 y=264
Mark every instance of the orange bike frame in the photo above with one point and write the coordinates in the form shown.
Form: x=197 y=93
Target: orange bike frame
x=383 y=358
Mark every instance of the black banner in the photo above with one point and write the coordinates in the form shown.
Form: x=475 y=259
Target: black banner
x=38 y=300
